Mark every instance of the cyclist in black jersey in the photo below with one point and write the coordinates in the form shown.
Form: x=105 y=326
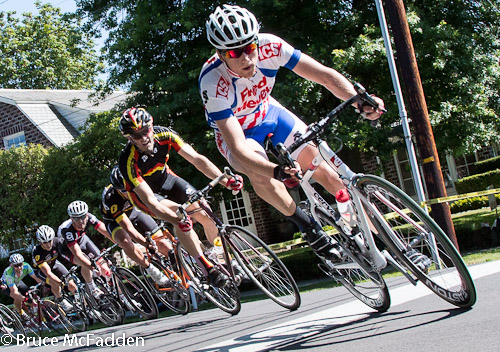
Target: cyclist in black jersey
x=47 y=266
x=155 y=189
x=126 y=225
x=77 y=247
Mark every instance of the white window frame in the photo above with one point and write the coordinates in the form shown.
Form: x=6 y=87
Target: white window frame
x=10 y=137
x=247 y=208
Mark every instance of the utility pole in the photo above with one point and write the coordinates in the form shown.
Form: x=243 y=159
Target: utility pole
x=412 y=85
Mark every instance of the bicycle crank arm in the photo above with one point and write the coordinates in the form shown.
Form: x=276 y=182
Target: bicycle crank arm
x=398 y=266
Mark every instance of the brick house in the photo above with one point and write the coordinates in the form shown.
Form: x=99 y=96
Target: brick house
x=47 y=117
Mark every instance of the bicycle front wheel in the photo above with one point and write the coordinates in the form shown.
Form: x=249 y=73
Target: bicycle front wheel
x=110 y=310
x=173 y=295
x=55 y=317
x=263 y=267
x=417 y=242
x=136 y=293
x=226 y=298
x=10 y=324
x=366 y=285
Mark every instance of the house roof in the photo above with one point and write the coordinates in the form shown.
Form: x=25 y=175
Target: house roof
x=59 y=114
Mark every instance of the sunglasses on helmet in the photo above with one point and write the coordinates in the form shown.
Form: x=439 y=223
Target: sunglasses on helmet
x=236 y=53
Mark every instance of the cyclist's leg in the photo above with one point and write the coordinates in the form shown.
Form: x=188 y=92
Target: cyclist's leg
x=92 y=251
x=145 y=223
x=120 y=236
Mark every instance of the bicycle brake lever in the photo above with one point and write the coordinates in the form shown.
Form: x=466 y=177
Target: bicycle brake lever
x=286 y=158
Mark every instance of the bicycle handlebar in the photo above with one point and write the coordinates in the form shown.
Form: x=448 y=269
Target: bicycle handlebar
x=196 y=196
x=104 y=253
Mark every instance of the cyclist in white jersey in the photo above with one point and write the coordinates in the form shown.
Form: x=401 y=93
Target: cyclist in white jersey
x=235 y=85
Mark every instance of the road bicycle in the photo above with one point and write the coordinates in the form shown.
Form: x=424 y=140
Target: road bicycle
x=258 y=262
x=44 y=315
x=10 y=324
x=175 y=295
x=104 y=310
x=126 y=288
x=414 y=243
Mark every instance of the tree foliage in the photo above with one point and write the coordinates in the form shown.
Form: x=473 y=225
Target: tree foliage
x=156 y=48
x=46 y=51
x=22 y=205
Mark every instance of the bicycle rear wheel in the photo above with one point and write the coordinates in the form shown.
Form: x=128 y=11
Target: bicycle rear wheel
x=174 y=295
x=366 y=285
x=226 y=298
x=10 y=323
x=263 y=267
x=417 y=242
x=136 y=293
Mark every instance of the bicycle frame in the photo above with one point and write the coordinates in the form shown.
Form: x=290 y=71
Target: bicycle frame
x=181 y=276
x=326 y=154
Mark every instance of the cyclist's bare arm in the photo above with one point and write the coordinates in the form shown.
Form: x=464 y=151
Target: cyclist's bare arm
x=127 y=225
x=159 y=209
x=201 y=162
x=334 y=81
x=80 y=256
x=102 y=230
x=45 y=268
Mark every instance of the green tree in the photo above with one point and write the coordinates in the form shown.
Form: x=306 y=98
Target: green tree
x=46 y=51
x=22 y=205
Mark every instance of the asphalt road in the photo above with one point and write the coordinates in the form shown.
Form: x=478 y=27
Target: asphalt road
x=328 y=320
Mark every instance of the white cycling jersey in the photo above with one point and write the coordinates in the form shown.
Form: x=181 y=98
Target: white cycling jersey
x=224 y=93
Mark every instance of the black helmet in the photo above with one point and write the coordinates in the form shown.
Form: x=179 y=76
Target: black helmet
x=134 y=119
x=116 y=178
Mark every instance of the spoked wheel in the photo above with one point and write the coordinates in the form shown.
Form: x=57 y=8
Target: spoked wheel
x=10 y=323
x=110 y=310
x=417 y=242
x=366 y=285
x=226 y=298
x=263 y=267
x=174 y=295
x=137 y=294
x=55 y=317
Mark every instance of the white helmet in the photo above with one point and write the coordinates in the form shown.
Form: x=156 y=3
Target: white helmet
x=77 y=209
x=16 y=258
x=45 y=234
x=231 y=27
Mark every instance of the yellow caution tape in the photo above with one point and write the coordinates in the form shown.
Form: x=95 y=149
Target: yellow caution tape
x=461 y=196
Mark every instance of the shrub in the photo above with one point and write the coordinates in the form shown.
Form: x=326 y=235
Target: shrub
x=471 y=203
x=478 y=182
x=487 y=165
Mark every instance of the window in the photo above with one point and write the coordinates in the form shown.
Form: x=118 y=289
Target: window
x=237 y=211
x=14 y=140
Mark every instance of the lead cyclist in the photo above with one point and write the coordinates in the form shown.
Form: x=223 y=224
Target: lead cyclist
x=235 y=85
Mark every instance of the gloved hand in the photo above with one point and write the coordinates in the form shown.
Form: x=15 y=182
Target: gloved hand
x=186 y=224
x=235 y=184
x=287 y=179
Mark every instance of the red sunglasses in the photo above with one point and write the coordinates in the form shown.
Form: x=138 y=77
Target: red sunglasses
x=236 y=53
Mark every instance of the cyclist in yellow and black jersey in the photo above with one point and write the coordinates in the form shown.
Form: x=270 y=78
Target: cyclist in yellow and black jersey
x=127 y=225
x=154 y=188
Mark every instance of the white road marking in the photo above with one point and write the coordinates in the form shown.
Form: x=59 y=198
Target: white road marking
x=328 y=318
